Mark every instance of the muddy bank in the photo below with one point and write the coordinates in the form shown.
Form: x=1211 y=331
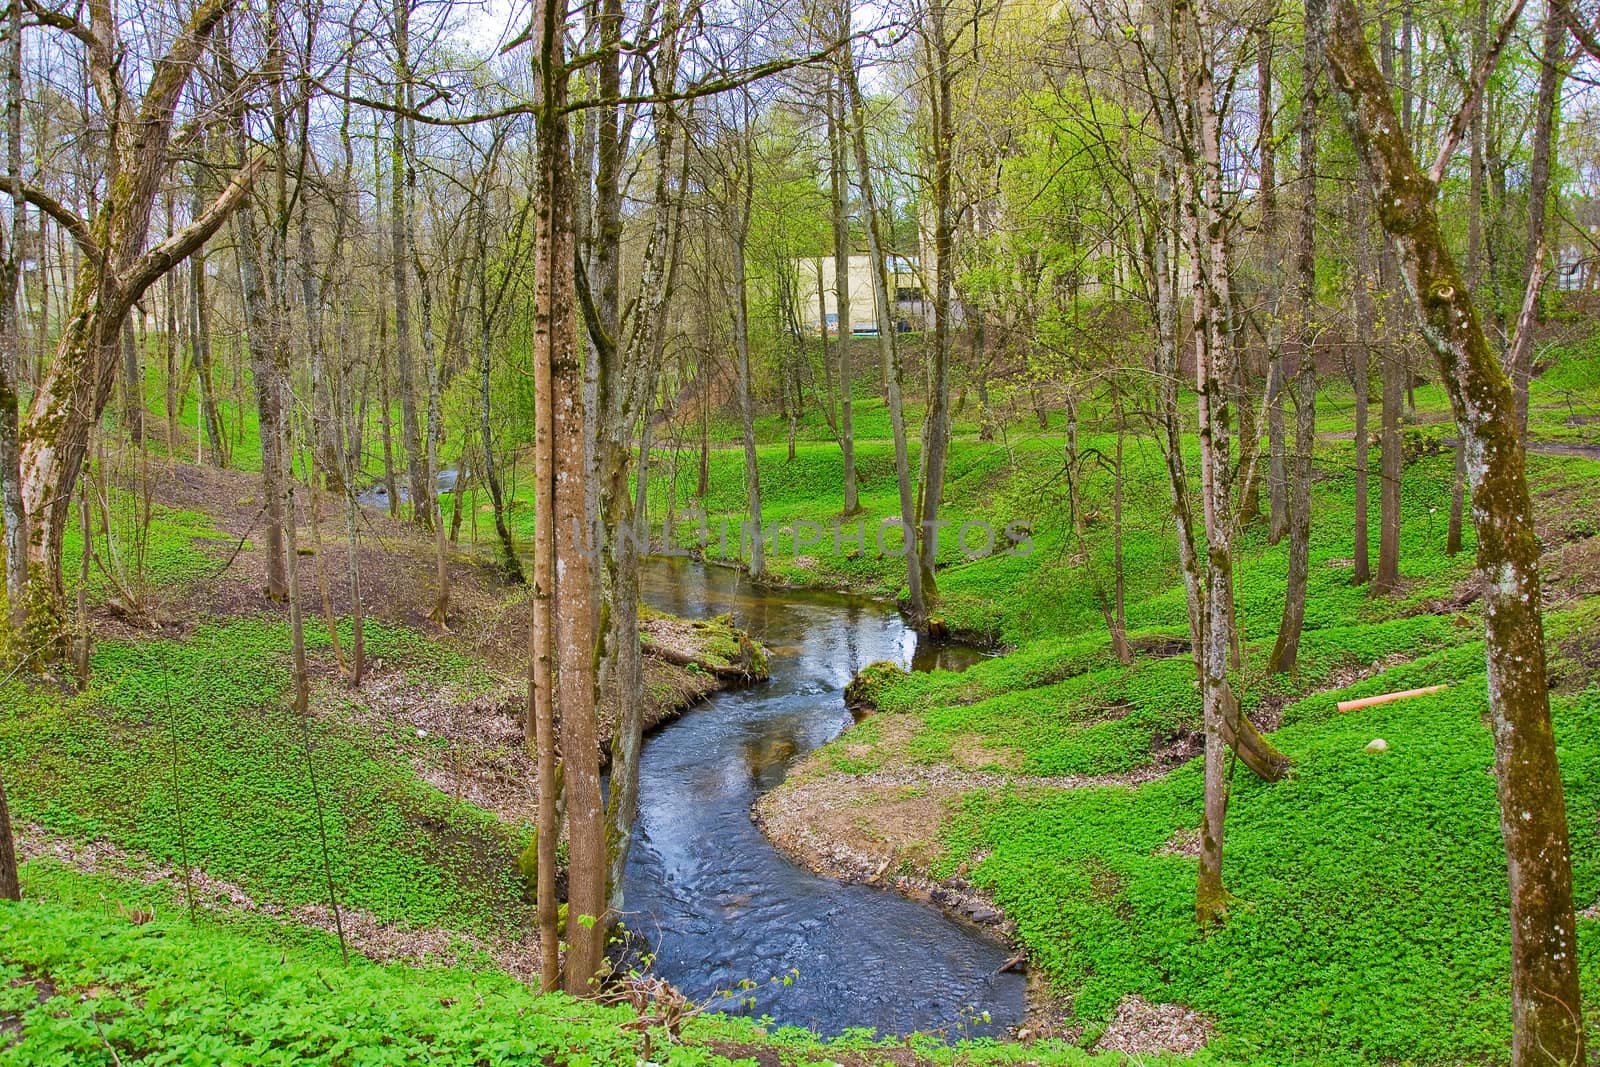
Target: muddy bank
x=470 y=745
x=853 y=858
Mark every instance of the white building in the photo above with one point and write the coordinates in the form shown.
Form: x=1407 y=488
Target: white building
x=816 y=296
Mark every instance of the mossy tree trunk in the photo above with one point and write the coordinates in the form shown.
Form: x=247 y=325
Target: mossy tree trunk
x=116 y=271
x=1546 y=1016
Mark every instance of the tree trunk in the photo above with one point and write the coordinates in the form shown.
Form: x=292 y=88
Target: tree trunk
x=116 y=270
x=1277 y=474
x=741 y=346
x=1207 y=230
x=1476 y=130
x=936 y=425
x=883 y=297
x=260 y=330
x=200 y=354
x=1552 y=54
x=402 y=178
x=10 y=881
x=1361 y=383
x=1546 y=1016
x=1392 y=462
x=509 y=564
x=13 y=519
x=1304 y=327
x=132 y=384
x=565 y=593
x=839 y=181
x=441 y=553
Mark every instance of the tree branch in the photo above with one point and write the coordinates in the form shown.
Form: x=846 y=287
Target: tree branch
x=164 y=256
x=1588 y=36
x=172 y=70
x=65 y=216
x=605 y=346
x=1469 y=103
x=101 y=62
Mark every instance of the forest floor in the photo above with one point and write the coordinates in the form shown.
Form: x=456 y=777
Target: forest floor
x=1051 y=792
x=1047 y=791
x=176 y=819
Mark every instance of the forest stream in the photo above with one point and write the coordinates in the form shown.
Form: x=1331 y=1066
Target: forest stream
x=717 y=903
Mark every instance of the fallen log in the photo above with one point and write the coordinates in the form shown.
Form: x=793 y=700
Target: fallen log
x=1389 y=698
x=743 y=671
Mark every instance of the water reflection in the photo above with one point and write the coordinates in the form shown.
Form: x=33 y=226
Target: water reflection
x=719 y=903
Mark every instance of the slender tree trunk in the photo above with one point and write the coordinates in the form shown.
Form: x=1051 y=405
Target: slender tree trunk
x=12 y=517
x=349 y=458
x=839 y=180
x=936 y=425
x=741 y=345
x=169 y=342
x=1277 y=474
x=1552 y=55
x=1476 y=130
x=1361 y=383
x=132 y=384
x=200 y=353
x=260 y=334
x=1267 y=152
x=703 y=483
x=1304 y=327
x=441 y=602
x=509 y=562
x=1392 y=462
x=883 y=297
x=1119 y=598
x=402 y=177
x=1207 y=230
x=1545 y=993
x=10 y=881
x=1392 y=358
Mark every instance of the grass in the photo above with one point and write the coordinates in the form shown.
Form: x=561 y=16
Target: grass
x=203 y=724
x=1368 y=919
x=175 y=550
x=83 y=986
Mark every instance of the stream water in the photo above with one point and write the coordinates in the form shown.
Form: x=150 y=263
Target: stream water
x=718 y=904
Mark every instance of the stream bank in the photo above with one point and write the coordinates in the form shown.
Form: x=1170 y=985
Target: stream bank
x=730 y=919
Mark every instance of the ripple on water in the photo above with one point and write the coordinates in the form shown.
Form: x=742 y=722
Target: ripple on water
x=720 y=905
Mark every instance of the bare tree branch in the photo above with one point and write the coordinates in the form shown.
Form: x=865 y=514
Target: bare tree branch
x=68 y=219
x=160 y=259
x=1469 y=103
x=1588 y=36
